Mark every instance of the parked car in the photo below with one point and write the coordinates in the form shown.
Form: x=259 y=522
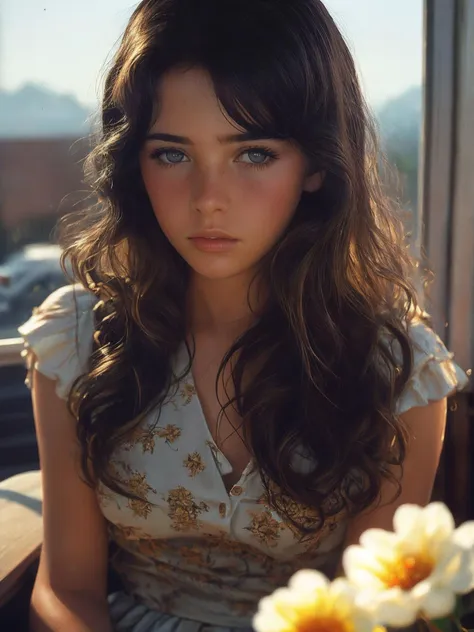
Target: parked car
x=27 y=277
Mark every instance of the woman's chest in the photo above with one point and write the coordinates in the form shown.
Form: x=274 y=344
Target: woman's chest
x=218 y=410
x=172 y=474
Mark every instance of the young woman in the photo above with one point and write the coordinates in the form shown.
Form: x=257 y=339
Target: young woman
x=240 y=382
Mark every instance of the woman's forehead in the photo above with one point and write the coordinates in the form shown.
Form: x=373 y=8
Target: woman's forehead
x=187 y=105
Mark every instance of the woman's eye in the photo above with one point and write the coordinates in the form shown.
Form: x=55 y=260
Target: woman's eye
x=257 y=157
x=169 y=156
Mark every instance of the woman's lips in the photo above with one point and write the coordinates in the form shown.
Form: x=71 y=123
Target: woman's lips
x=213 y=244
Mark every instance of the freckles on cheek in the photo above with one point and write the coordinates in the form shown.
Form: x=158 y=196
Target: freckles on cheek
x=277 y=196
x=165 y=193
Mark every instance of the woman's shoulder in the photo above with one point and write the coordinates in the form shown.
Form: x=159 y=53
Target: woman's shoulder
x=58 y=336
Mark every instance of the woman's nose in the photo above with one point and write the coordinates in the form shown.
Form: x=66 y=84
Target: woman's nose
x=211 y=191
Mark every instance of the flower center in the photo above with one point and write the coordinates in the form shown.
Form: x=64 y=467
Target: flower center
x=321 y=624
x=407 y=572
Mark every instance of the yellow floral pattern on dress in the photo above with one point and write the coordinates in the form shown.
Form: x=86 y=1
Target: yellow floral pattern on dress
x=136 y=483
x=140 y=435
x=147 y=436
x=105 y=494
x=193 y=554
x=194 y=464
x=187 y=392
x=240 y=552
x=265 y=528
x=182 y=396
x=222 y=541
x=124 y=532
x=137 y=539
x=183 y=510
x=152 y=547
x=303 y=517
x=169 y=433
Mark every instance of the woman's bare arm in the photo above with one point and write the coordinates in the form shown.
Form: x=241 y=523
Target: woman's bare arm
x=426 y=426
x=70 y=589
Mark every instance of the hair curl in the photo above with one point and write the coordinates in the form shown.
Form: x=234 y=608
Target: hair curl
x=325 y=374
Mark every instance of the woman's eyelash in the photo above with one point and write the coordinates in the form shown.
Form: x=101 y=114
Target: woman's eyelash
x=267 y=152
x=270 y=154
x=157 y=154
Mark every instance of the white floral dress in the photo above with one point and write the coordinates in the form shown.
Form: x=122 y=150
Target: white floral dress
x=191 y=555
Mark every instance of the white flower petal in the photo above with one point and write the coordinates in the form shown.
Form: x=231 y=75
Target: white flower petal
x=453 y=570
x=409 y=526
x=439 y=522
x=438 y=603
x=464 y=535
x=281 y=611
x=269 y=622
x=362 y=568
x=341 y=588
x=407 y=518
x=363 y=621
x=424 y=533
x=393 y=607
x=448 y=560
x=462 y=582
x=381 y=543
x=343 y=594
x=308 y=580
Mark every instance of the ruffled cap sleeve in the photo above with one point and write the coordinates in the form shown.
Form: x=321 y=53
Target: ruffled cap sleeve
x=435 y=375
x=58 y=337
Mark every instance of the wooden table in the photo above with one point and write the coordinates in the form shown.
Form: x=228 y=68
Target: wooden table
x=21 y=530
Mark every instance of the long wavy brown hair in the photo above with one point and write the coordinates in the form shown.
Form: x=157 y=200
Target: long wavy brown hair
x=330 y=353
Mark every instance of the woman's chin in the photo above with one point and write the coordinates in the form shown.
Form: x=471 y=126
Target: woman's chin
x=218 y=270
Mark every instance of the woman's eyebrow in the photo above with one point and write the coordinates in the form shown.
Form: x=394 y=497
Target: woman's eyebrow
x=241 y=137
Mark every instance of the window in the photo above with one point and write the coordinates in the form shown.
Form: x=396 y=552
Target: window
x=386 y=39
x=47 y=104
x=46 y=107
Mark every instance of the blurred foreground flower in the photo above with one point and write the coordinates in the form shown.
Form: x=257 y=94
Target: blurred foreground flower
x=415 y=572
x=312 y=604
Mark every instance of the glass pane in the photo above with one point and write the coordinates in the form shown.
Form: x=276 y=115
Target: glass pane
x=48 y=101
x=386 y=39
x=50 y=80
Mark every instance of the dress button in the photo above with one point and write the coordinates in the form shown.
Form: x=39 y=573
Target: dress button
x=222 y=510
x=236 y=490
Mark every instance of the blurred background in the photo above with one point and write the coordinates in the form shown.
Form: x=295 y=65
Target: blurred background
x=53 y=58
x=416 y=64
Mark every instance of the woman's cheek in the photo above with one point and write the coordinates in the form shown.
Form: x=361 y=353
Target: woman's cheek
x=274 y=199
x=167 y=193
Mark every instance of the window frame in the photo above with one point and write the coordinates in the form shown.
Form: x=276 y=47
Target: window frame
x=445 y=230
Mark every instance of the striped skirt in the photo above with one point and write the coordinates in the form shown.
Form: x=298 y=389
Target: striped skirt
x=128 y=615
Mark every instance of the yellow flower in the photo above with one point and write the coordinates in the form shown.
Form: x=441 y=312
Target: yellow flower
x=312 y=604
x=417 y=571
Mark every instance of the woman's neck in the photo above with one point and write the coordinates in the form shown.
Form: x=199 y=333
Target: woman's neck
x=222 y=305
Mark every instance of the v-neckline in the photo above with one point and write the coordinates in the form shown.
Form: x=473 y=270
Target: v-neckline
x=219 y=458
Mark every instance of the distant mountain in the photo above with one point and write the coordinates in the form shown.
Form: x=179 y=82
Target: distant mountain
x=400 y=123
x=34 y=111
x=400 y=120
x=37 y=111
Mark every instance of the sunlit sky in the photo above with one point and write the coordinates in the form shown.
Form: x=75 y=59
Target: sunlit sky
x=64 y=44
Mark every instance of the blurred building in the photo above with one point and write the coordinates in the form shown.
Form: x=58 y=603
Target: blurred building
x=39 y=178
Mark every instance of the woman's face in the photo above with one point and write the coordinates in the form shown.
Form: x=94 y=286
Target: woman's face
x=222 y=199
